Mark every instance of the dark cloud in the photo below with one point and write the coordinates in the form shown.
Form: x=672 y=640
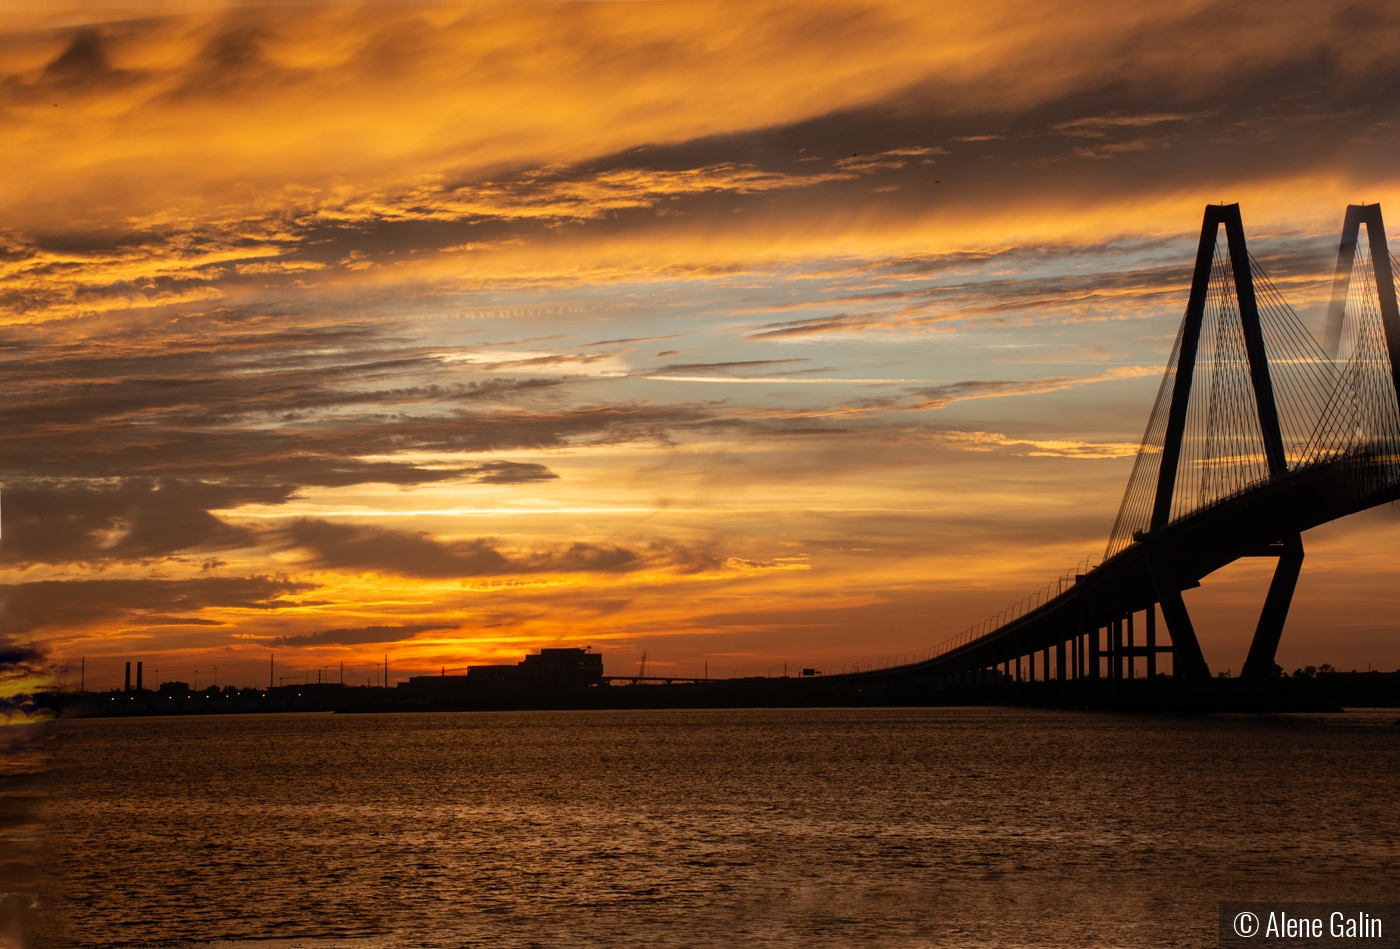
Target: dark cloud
x=123 y=519
x=585 y=558
x=509 y=472
x=723 y=367
x=367 y=547
x=274 y=413
x=84 y=59
x=1044 y=298
x=819 y=326
x=12 y=654
x=1152 y=125
x=358 y=636
x=936 y=397
x=232 y=61
x=235 y=410
x=24 y=669
x=127 y=519
x=73 y=604
x=634 y=339
x=418 y=554
x=152 y=439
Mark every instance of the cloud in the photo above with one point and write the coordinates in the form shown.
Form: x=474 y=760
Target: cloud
x=891 y=159
x=557 y=194
x=602 y=363
x=223 y=412
x=360 y=636
x=1126 y=280
x=537 y=79
x=369 y=548
x=25 y=669
x=941 y=396
x=145 y=518
x=635 y=339
x=1115 y=149
x=50 y=521
x=1047 y=142
x=1035 y=448
x=566 y=94
x=722 y=368
x=1098 y=126
x=509 y=472
x=75 y=604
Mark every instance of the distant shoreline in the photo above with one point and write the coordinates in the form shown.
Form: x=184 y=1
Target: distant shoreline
x=1325 y=692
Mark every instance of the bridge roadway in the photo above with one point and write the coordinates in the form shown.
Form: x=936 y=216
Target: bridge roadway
x=1354 y=465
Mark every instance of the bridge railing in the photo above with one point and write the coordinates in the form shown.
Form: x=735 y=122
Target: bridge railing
x=986 y=627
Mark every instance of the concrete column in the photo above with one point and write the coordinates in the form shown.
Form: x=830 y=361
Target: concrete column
x=1152 y=640
x=1132 y=659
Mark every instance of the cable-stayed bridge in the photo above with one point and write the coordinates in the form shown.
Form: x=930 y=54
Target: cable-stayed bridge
x=1258 y=433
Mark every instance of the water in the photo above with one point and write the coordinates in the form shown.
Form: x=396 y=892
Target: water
x=886 y=827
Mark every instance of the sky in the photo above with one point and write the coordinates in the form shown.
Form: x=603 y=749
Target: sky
x=742 y=335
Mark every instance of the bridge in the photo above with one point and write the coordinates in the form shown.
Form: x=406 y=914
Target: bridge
x=1259 y=432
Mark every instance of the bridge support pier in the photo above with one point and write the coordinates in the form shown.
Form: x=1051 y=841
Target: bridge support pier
x=1118 y=656
x=1132 y=653
x=1260 y=663
x=1188 y=663
x=1151 y=640
x=1059 y=662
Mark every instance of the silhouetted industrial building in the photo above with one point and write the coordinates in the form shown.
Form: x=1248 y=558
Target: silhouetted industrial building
x=551 y=670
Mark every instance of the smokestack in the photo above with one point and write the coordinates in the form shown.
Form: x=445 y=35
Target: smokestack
x=127 y=687
x=138 y=677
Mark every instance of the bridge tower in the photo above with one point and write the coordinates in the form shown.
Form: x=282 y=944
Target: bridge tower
x=1189 y=663
x=1260 y=662
x=1223 y=294
x=1382 y=273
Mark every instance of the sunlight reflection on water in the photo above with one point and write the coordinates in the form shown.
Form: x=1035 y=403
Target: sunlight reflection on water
x=884 y=827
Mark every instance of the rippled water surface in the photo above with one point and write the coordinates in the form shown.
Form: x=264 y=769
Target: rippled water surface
x=887 y=827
